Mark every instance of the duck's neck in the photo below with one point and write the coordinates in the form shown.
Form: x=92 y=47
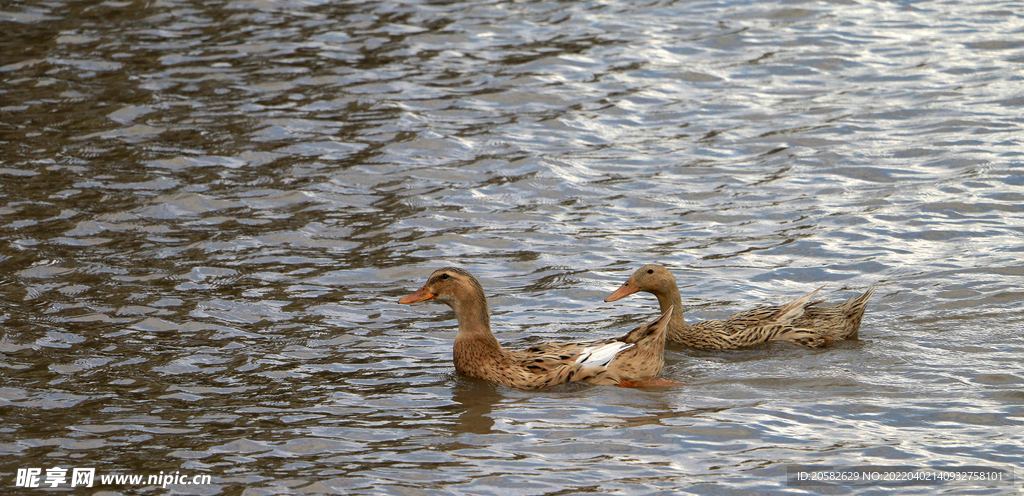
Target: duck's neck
x=475 y=339
x=668 y=296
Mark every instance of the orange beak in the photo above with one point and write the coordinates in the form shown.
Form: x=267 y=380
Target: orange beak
x=423 y=294
x=627 y=288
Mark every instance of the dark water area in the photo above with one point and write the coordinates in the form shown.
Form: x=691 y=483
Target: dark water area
x=208 y=211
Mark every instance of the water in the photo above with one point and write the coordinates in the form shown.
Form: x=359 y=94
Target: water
x=208 y=211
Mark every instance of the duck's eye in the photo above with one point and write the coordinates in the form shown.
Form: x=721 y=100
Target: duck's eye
x=650 y=271
x=444 y=276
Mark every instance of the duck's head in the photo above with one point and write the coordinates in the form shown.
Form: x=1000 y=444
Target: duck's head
x=653 y=279
x=448 y=285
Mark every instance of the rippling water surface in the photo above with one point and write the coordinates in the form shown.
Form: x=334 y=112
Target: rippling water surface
x=209 y=209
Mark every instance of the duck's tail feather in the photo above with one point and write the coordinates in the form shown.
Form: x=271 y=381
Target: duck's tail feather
x=658 y=325
x=854 y=307
x=794 y=309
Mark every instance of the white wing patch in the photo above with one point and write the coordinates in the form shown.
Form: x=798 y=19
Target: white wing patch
x=601 y=355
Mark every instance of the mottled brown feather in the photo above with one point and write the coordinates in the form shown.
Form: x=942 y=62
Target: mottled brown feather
x=800 y=322
x=477 y=353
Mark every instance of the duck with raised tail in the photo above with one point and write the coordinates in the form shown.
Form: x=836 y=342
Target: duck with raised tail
x=629 y=360
x=801 y=321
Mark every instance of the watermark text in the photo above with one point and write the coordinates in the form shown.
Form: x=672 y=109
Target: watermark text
x=822 y=475
x=87 y=477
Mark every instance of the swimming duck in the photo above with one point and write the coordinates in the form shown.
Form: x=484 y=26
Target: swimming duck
x=625 y=361
x=800 y=321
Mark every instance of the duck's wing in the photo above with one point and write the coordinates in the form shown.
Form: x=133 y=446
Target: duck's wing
x=771 y=315
x=546 y=357
x=557 y=363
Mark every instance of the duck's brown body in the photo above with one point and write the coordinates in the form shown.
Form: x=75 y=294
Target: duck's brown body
x=801 y=321
x=635 y=357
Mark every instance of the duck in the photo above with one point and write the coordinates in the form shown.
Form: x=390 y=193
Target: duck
x=626 y=361
x=801 y=321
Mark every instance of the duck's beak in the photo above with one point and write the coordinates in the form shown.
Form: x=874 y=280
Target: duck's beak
x=423 y=294
x=629 y=287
